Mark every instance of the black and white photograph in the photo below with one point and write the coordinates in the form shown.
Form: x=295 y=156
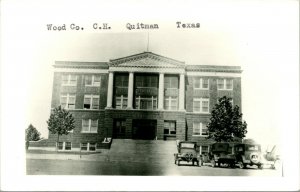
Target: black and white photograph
x=140 y=95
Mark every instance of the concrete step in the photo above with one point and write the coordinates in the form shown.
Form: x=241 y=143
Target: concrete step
x=146 y=147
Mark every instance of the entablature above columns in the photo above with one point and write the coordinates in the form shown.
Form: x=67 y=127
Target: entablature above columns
x=148 y=70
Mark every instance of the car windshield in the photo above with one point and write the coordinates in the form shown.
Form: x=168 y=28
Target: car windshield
x=252 y=147
x=187 y=145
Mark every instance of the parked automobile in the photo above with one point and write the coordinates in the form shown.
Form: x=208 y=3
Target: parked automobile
x=221 y=155
x=187 y=151
x=248 y=154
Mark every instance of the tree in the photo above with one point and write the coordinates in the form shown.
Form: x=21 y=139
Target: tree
x=61 y=122
x=226 y=122
x=31 y=134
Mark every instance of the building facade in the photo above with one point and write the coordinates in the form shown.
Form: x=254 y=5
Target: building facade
x=143 y=96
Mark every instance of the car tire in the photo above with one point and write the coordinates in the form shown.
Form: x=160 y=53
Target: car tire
x=241 y=165
x=178 y=163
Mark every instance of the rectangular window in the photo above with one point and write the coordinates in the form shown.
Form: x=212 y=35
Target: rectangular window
x=94 y=126
x=204 y=149
x=171 y=103
x=201 y=83
x=64 y=146
x=204 y=130
x=196 y=128
x=201 y=105
x=121 y=102
x=229 y=84
x=220 y=84
x=69 y=80
x=92 y=147
x=68 y=146
x=60 y=145
x=92 y=80
x=146 y=81
x=89 y=126
x=91 y=102
x=225 y=84
x=171 y=82
x=146 y=103
x=170 y=127
x=83 y=146
x=121 y=80
x=67 y=101
x=199 y=129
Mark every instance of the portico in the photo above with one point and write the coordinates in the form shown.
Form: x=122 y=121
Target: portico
x=145 y=94
x=148 y=65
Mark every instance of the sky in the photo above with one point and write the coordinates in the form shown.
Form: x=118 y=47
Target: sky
x=260 y=36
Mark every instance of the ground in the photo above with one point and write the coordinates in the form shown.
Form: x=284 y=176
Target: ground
x=129 y=157
x=69 y=165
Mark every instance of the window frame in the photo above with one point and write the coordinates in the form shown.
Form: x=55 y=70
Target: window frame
x=88 y=146
x=91 y=101
x=122 y=99
x=146 y=81
x=90 y=126
x=168 y=80
x=201 y=126
x=93 y=83
x=201 y=100
x=168 y=127
x=69 y=80
x=139 y=98
x=201 y=81
x=169 y=101
x=67 y=100
x=64 y=144
x=201 y=149
x=224 y=84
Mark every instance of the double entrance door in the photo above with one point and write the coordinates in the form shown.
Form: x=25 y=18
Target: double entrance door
x=144 y=129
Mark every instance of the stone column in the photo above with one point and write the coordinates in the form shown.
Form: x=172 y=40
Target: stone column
x=110 y=90
x=181 y=91
x=130 y=91
x=161 y=91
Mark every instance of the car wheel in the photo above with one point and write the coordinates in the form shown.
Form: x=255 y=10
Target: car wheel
x=178 y=163
x=241 y=165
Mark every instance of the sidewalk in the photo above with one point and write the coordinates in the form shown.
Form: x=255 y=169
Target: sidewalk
x=104 y=156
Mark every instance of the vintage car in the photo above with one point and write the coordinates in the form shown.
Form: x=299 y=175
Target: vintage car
x=187 y=151
x=221 y=155
x=248 y=154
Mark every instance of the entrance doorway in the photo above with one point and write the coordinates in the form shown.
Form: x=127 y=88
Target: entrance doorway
x=144 y=129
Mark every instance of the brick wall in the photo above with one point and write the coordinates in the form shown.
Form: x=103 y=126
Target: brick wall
x=184 y=120
x=159 y=116
x=80 y=90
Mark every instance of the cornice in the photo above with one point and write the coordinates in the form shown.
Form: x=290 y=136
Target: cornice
x=80 y=65
x=213 y=68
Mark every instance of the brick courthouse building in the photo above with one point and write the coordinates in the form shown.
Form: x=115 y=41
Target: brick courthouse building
x=143 y=96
